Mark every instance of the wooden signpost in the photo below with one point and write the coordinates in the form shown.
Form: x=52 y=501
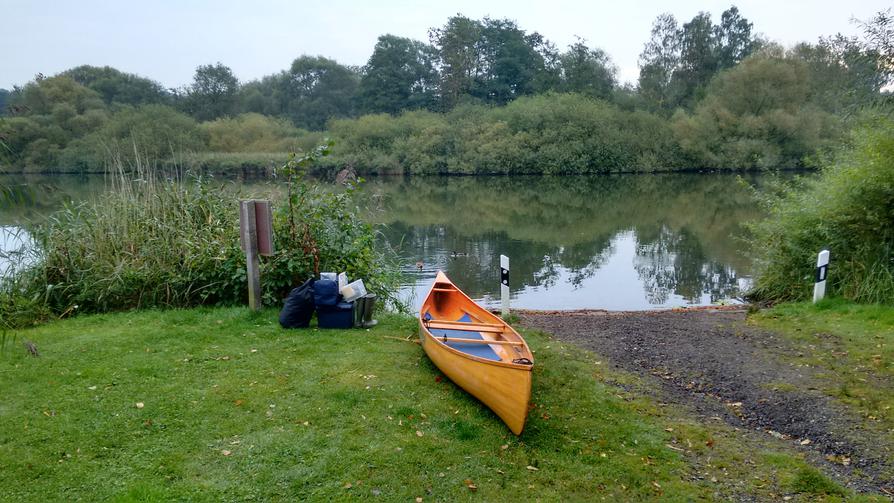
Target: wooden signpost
x=256 y=238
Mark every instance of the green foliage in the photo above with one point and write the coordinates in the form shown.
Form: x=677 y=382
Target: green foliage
x=252 y=132
x=317 y=89
x=843 y=74
x=399 y=75
x=587 y=71
x=677 y=63
x=148 y=132
x=492 y=60
x=847 y=210
x=118 y=87
x=554 y=133
x=756 y=115
x=4 y=97
x=171 y=243
x=212 y=93
x=50 y=115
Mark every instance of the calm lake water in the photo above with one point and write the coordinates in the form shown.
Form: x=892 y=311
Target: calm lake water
x=622 y=242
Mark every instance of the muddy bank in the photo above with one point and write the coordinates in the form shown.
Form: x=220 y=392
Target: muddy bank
x=713 y=362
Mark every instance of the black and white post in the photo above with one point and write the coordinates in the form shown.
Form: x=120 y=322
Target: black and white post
x=822 y=272
x=504 y=284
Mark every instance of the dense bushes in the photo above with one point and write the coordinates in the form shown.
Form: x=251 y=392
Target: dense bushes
x=849 y=210
x=167 y=243
x=757 y=115
x=552 y=133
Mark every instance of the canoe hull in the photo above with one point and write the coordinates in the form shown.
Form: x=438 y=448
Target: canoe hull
x=505 y=389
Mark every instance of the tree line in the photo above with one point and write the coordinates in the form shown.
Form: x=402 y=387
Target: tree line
x=478 y=96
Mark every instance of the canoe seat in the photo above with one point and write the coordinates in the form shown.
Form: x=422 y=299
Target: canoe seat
x=479 y=350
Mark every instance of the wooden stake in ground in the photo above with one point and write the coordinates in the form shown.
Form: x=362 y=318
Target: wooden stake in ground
x=256 y=238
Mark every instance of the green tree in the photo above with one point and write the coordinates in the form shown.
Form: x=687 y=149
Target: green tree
x=513 y=63
x=659 y=60
x=757 y=114
x=152 y=132
x=39 y=96
x=677 y=63
x=844 y=76
x=4 y=97
x=587 y=71
x=212 y=93
x=318 y=89
x=399 y=75
x=458 y=46
x=879 y=34
x=118 y=87
x=698 y=59
x=732 y=39
x=266 y=96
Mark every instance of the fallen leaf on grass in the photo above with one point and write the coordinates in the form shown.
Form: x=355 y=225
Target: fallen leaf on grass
x=348 y=485
x=504 y=447
x=418 y=499
x=140 y=405
x=710 y=443
x=532 y=468
x=239 y=402
x=419 y=433
x=472 y=487
x=225 y=452
x=91 y=388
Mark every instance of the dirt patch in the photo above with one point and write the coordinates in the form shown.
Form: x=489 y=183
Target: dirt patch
x=713 y=362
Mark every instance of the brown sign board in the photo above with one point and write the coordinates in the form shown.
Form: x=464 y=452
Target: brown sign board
x=261 y=213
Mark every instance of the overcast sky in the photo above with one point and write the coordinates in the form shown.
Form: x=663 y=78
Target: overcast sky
x=166 y=39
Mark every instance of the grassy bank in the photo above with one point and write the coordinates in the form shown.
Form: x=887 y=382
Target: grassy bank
x=853 y=346
x=221 y=404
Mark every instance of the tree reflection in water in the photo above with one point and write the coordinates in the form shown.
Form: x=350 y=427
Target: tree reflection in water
x=620 y=242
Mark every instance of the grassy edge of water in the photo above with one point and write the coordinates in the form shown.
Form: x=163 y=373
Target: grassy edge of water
x=233 y=407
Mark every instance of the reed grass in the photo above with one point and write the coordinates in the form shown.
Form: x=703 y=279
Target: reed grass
x=846 y=210
x=171 y=239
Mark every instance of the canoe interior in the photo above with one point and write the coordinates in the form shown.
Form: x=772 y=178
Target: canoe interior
x=479 y=350
x=447 y=303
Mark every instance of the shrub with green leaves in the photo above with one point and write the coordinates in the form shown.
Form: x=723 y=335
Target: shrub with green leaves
x=847 y=209
x=154 y=242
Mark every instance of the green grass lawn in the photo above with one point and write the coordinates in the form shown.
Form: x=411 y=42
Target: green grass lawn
x=851 y=344
x=222 y=404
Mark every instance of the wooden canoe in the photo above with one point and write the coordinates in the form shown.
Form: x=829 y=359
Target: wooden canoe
x=478 y=351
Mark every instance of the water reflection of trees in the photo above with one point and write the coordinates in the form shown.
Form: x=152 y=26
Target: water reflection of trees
x=683 y=224
x=675 y=263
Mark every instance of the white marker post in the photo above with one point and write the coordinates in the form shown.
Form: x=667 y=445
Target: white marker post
x=504 y=284
x=822 y=272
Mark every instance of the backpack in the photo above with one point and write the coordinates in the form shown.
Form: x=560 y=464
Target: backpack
x=298 y=307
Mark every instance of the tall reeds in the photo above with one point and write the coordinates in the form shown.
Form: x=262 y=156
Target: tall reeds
x=172 y=240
